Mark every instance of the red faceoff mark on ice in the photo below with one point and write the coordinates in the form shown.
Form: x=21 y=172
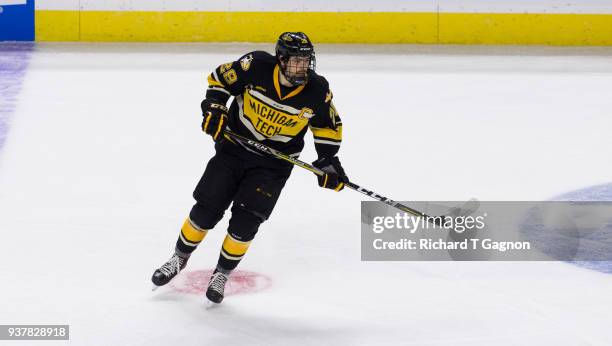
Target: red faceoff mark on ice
x=241 y=281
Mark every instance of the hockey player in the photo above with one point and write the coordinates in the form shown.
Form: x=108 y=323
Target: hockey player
x=276 y=99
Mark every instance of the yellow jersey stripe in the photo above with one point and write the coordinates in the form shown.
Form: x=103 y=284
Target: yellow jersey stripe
x=213 y=82
x=327 y=133
x=277 y=85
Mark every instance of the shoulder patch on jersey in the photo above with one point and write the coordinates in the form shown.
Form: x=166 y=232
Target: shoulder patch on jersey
x=245 y=62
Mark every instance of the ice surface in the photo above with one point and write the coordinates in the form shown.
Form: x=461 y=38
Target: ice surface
x=104 y=150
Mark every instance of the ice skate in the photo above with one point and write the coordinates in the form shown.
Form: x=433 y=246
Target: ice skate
x=168 y=271
x=216 y=287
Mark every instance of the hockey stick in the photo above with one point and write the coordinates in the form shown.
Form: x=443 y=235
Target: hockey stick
x=438 y=221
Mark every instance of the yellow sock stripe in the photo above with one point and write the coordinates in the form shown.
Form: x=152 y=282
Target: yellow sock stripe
x=187 y=242
x=234 y=247
x=230 y=257
x=192 y=233
x=325 y=180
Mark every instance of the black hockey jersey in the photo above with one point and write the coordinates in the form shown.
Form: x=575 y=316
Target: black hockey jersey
x=266 y=111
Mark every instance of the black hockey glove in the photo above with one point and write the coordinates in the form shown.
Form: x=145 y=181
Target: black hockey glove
x=334 y=177
x=215 y=118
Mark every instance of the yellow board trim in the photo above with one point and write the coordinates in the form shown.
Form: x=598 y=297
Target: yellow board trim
x=192 y=234
x=547 y=29
x=57 y=25
x=323 y=27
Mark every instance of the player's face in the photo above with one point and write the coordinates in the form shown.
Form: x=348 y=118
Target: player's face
x=297 y=66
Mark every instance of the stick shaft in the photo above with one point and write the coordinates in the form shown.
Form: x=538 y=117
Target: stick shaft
x=271 y=151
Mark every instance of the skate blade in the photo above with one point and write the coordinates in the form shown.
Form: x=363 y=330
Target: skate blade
x=209 y=304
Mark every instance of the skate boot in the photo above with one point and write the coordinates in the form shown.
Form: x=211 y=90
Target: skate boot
x=216 y=286
x=168 y=271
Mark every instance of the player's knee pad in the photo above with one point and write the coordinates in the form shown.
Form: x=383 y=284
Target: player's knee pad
x=206 y=217
x=244 y=224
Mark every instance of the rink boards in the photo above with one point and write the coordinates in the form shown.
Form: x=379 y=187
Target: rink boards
x=553 y=22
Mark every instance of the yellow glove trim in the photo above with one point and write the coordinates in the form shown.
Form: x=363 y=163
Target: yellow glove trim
x=339 y=187
x=219 y=128
x=209 y=115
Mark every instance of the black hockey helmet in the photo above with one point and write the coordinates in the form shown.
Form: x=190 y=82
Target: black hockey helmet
x=295 y=44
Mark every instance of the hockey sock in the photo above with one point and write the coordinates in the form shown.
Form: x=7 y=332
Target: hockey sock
x=232 y=252
x=191 y=235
